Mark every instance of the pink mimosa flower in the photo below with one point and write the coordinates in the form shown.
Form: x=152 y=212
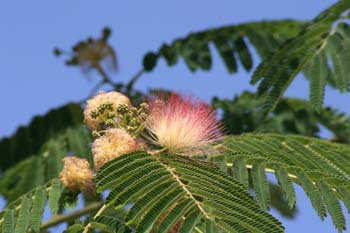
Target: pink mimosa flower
x=182 y=124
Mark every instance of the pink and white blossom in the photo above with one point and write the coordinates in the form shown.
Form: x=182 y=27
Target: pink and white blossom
x=182 y=124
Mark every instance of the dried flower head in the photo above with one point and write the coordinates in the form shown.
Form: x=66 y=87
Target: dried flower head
x=182 y=124
x=93 y=54
x=76 y=175
x=114 y=143
x=110 y=100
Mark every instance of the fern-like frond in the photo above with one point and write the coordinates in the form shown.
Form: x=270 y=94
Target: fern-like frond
x=320 y=167
x=244 y=113
x=28 y=140
x=286 y=184
x=9 y=223
x=326 y=34
x=260 y=184
x=318 y=72
x=170 y=191
x=47 y=164
x=25 y=214
x=231 y=42
x=37 y=210
x=110 y=224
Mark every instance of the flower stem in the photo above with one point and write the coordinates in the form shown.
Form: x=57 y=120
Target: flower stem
x=139 y=130
x=160 y=151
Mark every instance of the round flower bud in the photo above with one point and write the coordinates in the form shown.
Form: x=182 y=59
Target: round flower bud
x=94 y=104
x=76 y=175
x=114 y=143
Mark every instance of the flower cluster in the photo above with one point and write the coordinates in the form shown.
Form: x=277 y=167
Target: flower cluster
x=183 y=125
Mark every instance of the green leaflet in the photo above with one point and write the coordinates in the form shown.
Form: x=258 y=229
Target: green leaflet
x=9 y=221
x=279 y=69
x=23 y=218
x=318 y=72
x=74 y=228
x=244 y=114
x=314 y=195
x=286 y=185
x=29 y=139
x=171 y=219
x=55 y=193
x=261 y=186
x=178 y=192
x=230 y=43
x=190 y=221
x=320 y=167
x=225 y=51
x=39 y=169
x=25 y=214
x=158 y=208
x=210 y=227
x=333 y=205
x=344 y=192
x=243 y=53
x=338 y=50
x=77 y=142
x=287 y=47
x=110 y=224
x=37 y=210
x=239 y=171
x=53 y=155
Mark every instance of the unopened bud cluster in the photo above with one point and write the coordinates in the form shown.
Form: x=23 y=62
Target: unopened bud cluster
x=122 y=116
x=132 y=118
x=100 y=111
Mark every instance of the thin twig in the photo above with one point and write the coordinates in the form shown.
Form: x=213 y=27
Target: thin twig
x=71 y=216
x=87 y=227
x=132 y=81
x=104 y=75
x=95 y=88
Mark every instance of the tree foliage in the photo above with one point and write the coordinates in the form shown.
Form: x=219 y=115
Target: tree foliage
x=244 y=113
x=174 y=190
x=319 y=49
x=159 y=190
x=318 y=166
x=323 y=42
x=231 y=42
x=46 y=164
x=28 y=140
x=26 y=212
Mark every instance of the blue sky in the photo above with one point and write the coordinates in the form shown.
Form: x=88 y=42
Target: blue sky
x=33 y=81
